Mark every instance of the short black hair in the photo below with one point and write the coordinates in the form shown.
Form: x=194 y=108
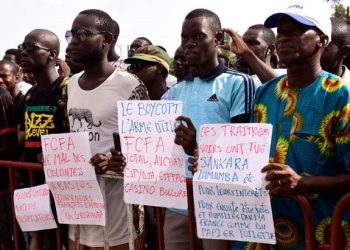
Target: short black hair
x=16 y=53
x=14 y=66
x=145 y=39
x=116 y=31
x=215 y=23
x=340 y=31
x=268 y=35
x=104 y=21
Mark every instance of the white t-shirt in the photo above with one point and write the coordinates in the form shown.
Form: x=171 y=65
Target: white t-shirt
x=95 y=111
x=257 y=81
x=346 y=75
x=170 y=80
x=24 y=87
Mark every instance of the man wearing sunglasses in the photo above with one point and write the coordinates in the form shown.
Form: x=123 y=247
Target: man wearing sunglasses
x=92 y=107
x=151 y=64
x=42 y=103
x=44 y=111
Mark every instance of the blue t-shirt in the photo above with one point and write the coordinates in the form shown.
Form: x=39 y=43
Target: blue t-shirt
x=223 y=97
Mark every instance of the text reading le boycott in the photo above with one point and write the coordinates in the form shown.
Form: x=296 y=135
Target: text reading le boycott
x=150 y=108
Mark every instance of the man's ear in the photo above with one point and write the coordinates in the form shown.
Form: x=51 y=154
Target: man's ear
x=107 y=38
x=53 y=55
x=271 y=49
x=345 y=50
x=219 y=38
x=324 y=41
x=18 y=76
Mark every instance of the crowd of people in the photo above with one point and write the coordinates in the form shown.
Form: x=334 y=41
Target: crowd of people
x=296 y=80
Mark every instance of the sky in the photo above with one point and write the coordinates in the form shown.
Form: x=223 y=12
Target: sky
x=158 y=20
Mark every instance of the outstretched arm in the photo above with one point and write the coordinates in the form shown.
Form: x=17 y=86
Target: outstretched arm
x=239 y=47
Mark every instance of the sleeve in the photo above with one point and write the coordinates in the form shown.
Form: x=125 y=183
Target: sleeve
x=62 y=103
x=343 y=137
x=27 y=98
x=253 y=117
x=166 y=95
x=139 y=93
x=242 y=100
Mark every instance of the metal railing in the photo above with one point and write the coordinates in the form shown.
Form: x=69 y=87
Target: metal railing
x=336 y=240
x=31 y=167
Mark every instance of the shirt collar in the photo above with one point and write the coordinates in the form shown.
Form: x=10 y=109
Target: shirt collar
x=216 y=72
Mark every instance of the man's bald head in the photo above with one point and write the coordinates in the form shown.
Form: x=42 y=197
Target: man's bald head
x=46 y=38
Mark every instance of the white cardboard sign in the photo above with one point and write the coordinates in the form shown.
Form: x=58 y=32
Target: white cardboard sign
x=155 y=171
x=230 y=198
x=32 y=208
x=72 y=179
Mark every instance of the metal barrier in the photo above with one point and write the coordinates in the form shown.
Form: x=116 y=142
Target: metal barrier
x=309 y=228
x=31 y=167
x=337 y=240
x=303 y=202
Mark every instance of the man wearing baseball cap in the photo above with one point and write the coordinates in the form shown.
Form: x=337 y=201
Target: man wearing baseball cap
x=317 y=16
x=310 y=112
x=151 y=64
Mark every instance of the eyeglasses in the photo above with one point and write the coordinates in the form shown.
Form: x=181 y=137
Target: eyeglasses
x=30 y=47
x=139 y=64
x=81 y=33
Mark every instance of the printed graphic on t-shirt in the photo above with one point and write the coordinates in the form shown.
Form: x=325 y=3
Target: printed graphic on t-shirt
x=82 y=120
x=213 y=98
x=39 y=120
x=83 y=114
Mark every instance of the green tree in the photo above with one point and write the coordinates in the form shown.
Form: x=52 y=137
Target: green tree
x=340 y=10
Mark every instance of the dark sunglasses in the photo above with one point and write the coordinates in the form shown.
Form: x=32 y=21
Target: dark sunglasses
x=139 y=64
x=81 y=33
x=30 y=47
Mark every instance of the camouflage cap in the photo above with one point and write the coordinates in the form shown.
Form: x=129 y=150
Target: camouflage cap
x=151 y=53
x=230 y=56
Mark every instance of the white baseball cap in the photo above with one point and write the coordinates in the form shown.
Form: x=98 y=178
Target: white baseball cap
x=316 y=15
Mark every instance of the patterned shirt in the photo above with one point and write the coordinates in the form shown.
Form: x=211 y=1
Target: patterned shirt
x=311 y=135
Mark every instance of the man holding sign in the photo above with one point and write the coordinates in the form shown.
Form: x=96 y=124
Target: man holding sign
x=309 y=109
x=212 y=94
x=92 y=107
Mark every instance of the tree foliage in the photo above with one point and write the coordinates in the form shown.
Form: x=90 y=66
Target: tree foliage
x=340 y=10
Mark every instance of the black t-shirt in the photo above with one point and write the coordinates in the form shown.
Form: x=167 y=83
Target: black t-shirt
x=19 y=108
x=43 y=114
x=7 y=118
x=7 y=125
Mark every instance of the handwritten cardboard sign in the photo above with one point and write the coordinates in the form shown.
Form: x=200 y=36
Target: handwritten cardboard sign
x=230 y=198
x=155 y=171
x=72 y=179
x=32 y=208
